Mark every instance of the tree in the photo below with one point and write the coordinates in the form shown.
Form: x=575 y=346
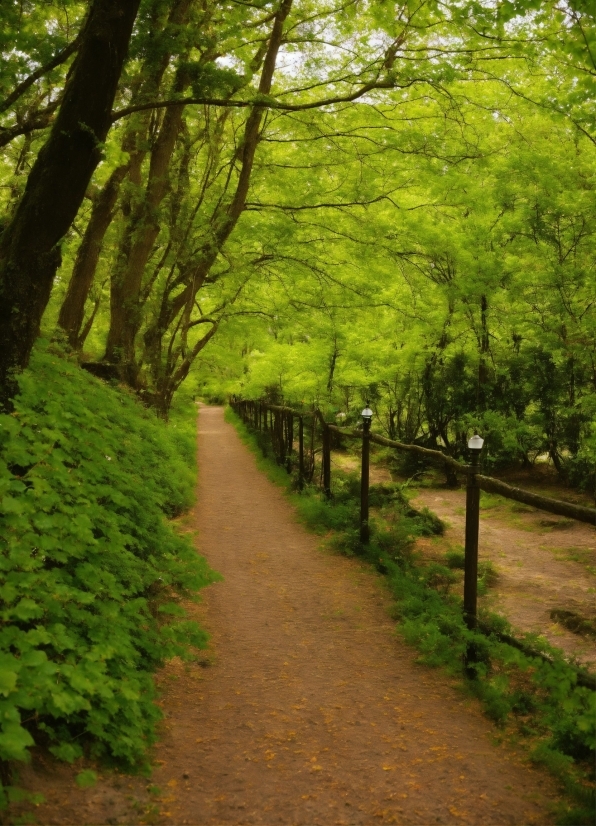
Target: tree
x=29 y=245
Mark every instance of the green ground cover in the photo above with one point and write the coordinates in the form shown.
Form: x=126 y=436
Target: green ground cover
x=92 y=570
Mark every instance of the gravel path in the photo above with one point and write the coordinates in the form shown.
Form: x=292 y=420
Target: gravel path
x=307 y=709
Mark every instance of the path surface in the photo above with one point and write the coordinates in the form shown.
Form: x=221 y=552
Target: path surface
x=311 y=710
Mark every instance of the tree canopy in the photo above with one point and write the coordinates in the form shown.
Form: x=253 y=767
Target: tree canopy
x=329 y=202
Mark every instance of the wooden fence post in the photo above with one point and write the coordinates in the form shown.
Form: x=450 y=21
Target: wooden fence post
x=300 y=452
x=364 y=482
x=290 y=439
x=471 y=543
x=326 y=460
x=281 y=440
x=471 y=553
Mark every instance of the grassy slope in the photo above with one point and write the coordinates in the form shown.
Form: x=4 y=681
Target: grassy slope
x=91 y=573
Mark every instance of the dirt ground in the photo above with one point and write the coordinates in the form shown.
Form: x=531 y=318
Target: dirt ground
x=543 y=562
x=307 y=708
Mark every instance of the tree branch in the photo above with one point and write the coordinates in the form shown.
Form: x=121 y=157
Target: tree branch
x=266 y=102
x=43 y=70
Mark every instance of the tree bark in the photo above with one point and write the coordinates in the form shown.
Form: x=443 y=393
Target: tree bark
x=143 y=228
x=29 y=246
x=135 y=143
x=142 y=232
x=72 y=311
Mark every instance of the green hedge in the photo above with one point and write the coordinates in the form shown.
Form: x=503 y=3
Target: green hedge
x=92 y=573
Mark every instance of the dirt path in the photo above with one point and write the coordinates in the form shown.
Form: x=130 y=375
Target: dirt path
x=311 y=710
x=543 y=563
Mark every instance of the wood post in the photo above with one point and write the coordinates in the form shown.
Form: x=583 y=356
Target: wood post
x=326 y=460
x=471 y=546
x=364 y=484
x=300 y=452
x=471 y=554
x=290 y=440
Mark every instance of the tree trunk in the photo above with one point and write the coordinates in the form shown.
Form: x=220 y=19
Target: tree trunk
x=143 y=228
x=29 y=246
x=483 y=374
x=135 y=143
x=72 y=311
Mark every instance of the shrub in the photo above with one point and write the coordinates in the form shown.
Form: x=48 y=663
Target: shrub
x=92 y=574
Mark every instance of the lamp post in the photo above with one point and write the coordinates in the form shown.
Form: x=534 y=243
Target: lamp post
x=472 y=525
x=367 y=415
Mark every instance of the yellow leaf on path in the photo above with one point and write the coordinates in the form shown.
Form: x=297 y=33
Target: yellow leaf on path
x=389 y=768
x=172 y=782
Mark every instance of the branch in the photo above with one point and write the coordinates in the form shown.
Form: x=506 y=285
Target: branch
x=266 y=102
x=253 y=205
x=43 y=70
x=39 y=120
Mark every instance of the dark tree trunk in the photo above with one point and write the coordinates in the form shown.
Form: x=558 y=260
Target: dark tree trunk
x=332 y=364
x=483 y=375
x=29 y=251
x=72 y=312
x=135 y=144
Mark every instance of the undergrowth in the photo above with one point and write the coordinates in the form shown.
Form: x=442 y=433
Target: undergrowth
x=535 y=702
x=92 y=572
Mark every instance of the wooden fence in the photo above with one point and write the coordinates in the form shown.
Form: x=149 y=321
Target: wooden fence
x=281 y=422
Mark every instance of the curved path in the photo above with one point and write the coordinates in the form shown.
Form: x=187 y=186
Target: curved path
x=308 y=709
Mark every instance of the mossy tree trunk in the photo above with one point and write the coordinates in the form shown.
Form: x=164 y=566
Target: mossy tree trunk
x=29 y=246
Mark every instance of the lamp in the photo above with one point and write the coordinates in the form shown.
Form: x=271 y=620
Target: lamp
x=475 y=444
x=367 y=415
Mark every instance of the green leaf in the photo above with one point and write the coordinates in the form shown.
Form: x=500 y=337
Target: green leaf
x=14 y=742
x=86 y=779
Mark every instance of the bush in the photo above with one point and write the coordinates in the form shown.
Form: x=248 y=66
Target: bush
x=92 y=573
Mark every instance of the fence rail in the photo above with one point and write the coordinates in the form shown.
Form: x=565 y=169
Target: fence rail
x=488 y=484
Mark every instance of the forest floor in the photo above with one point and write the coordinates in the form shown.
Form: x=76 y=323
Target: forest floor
x=541 y=562
x=307 y=708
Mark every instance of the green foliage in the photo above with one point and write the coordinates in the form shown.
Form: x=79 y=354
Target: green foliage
x=86 y=779
x=91 y=572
